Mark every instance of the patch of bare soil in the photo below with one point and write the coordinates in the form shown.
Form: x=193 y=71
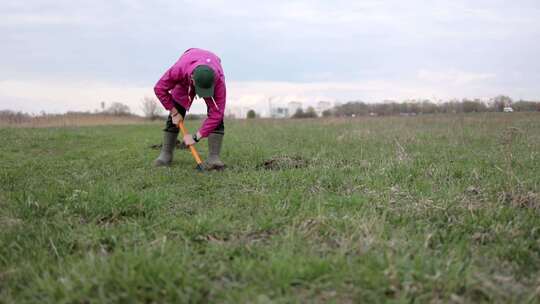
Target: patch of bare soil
x=284 y=162
x=179 y=145
x=261 y=236
x=7 y=222
x=117 y=216
x=529 y=200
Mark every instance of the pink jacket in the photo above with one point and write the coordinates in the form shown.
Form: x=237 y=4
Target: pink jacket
x=176 y=86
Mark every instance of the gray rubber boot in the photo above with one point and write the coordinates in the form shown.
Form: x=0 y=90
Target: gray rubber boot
x=166 y=155
x=214 y=149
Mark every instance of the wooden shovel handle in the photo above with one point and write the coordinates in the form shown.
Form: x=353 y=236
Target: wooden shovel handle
x=191 y=147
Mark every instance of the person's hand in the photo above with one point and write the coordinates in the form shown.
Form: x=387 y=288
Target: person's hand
x=176 y=117
x=188 y=140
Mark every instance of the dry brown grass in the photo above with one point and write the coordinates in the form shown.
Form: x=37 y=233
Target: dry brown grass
x=70 y=120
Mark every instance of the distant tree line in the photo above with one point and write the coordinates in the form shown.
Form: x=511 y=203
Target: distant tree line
x=150 y=106
x=526 y=106
x=17 y=117
x=152 y=109
x=251 y=114
x=12 y=117
x=414 y=107
x=308 y=113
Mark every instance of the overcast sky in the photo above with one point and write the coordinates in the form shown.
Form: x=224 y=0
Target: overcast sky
x=71 y=55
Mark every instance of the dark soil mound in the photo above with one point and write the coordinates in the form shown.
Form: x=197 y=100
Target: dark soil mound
x=284 y=162
x=179 y=145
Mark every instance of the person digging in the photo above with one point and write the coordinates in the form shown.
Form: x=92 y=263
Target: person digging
x=199 y=73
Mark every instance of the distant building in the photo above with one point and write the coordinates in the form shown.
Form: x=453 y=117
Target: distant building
x=279 y=112
x=234 y=112
x=293 y=107
x=323 y=106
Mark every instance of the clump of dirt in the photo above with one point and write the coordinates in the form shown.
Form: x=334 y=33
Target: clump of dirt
x=247 y=238
x=482 y=238
x=179 y=145
x=261 y=236
x=529 y=200
x=472 y=190
x=349 y=163
x=284 y=162
x=117 y=216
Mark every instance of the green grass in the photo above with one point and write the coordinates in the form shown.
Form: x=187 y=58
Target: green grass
x=402 y=209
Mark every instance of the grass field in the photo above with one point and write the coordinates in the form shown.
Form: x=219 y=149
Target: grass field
x=399 y=209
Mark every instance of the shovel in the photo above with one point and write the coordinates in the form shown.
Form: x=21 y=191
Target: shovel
x=191 y=147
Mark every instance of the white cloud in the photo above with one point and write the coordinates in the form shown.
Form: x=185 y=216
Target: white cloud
x=34 y=19
x=453 y=77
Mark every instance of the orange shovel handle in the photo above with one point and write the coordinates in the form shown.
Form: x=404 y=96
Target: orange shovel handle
x=191 y=148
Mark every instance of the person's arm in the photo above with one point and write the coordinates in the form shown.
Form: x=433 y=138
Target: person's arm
x=216 y=112
x=166 y=83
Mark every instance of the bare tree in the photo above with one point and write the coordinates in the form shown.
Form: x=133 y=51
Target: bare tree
x=151 y=107
x=118 y=109
x=500 y=102
x=11 y=117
